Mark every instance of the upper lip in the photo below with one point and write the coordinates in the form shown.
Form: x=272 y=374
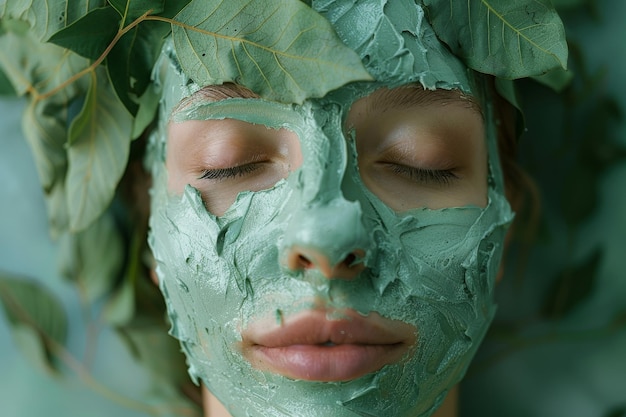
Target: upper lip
x=317 y=327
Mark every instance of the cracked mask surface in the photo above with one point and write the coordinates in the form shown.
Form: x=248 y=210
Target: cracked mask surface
x=432 y=270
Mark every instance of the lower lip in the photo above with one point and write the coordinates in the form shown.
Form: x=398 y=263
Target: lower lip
x=324 y=363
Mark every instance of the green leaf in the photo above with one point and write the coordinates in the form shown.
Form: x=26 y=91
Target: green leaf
x=172 y=7
x=99 y=142
x=132 y=59
x=13 y=9
x=90 y=35
x=45 y=132
x=37 y=318
x=281 y=49
x=507 y=90
x=120 y=308
x=572 y=287
x=56 y=204
x=77 y=9
x=14 y=26
x=30 y=345
x=20 y=57
x=46 y=17
x=6 y=87
x=557 y=79
x=509 y=39
x=35 y=66
x=132 y=9
x=93 y=258
x=148 y=105
x=157 y=352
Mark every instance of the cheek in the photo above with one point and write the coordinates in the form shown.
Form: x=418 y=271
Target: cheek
x=175 y=178
x=176 y=158
x=176 y=181
x=191 y=276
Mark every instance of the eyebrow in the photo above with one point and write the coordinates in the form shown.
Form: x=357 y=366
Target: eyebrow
x=214 y=93
x=382 y=100
x=385 y=99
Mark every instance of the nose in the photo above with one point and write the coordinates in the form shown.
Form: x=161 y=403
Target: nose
x=303 y=258
x=327 y=237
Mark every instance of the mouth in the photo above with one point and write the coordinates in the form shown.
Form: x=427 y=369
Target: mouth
x=310 y=346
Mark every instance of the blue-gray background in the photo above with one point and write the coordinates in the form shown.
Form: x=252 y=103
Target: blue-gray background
x=27 y=250
x=567 y=363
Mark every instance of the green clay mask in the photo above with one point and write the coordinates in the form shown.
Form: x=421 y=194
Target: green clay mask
x=324 y=247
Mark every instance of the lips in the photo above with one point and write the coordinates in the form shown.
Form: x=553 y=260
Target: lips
x=310 y=346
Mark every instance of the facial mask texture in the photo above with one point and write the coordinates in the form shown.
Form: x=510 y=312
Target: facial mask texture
x=395 y=42
x=433 y=269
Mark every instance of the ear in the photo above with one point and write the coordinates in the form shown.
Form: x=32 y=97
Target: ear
x=154 y=277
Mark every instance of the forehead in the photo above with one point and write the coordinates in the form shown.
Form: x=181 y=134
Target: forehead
x=387 y=99
x=380 y=100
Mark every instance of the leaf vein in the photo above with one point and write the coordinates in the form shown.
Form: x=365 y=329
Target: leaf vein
x=256 y=64
x=513 y=29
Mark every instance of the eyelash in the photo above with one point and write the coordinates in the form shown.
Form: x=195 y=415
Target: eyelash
x=426 y=176
x=228 y=173
x=443 y=176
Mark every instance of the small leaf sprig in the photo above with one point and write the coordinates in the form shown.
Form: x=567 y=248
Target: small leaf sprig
x=508 y=39
x=119 y=43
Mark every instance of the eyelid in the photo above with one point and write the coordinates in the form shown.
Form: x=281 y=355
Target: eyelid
x=423 y=175
x=238 y=167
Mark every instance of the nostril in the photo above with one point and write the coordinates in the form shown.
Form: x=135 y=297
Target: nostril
x=349 y=260
x=304 y=262
x=300 y=259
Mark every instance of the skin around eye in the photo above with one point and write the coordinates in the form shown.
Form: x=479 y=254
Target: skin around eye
x=222 y=158
x=421 y=153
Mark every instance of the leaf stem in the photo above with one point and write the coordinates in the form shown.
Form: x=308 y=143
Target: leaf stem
x=243 y=40
x=98 y=61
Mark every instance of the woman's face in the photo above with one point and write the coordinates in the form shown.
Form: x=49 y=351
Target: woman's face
x=330 y=258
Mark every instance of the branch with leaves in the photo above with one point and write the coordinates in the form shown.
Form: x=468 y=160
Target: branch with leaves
x=98 y=77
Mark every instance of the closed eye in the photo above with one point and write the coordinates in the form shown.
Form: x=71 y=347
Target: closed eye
x=422 y=175
x=228 y=173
